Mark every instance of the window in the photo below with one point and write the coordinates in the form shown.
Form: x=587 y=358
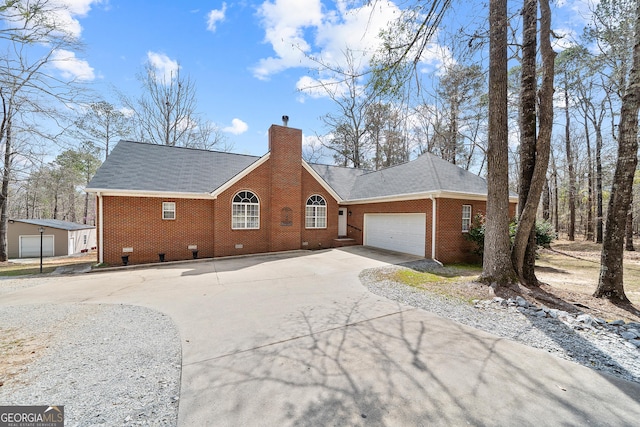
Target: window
x=245 y=211
x=168 y=210
x=316 y=212
x=466 y=218
x=84 y=239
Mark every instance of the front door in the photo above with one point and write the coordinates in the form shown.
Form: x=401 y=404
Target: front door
x=342 y=222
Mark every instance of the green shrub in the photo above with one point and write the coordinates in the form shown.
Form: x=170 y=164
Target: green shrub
x=544 y=232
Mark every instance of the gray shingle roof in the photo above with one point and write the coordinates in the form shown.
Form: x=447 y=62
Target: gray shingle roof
x=340 y=179
x=55 y=223
x=136 y=166
x=427 y=173
x=148 y=167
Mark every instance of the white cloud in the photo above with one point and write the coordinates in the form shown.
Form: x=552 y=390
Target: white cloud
x=321 y=88
x=575 y=12
x=71 y=67
x=299 y=30
x=66 y=13
x=164 y=67
x=237 y=127
x=436 y=57
x=285 y=22
x=62 y=15
x=216 y=16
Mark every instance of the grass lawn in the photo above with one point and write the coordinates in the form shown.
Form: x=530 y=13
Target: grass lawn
x=15 y=268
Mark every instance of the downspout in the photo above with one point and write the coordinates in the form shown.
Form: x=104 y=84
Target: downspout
x=433 y=229
x=101 y=229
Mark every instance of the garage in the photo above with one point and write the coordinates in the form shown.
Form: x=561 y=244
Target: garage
x=30 y=246
x=396 y=232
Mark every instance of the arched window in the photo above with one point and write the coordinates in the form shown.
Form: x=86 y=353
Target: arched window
x=245 y=211
x=316 y=212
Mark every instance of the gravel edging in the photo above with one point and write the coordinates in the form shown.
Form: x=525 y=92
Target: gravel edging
x=107 y=364
x=601 y=348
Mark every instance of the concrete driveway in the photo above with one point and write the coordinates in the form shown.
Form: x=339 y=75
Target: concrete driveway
x=295 y=339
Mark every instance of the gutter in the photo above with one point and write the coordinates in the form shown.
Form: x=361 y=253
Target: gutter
x=433 y=228
x=100 y=228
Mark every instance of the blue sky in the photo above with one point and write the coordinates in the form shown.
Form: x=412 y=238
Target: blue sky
x=247 y=57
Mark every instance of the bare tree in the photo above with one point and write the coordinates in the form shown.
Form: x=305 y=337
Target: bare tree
x=166 y=113
x=26 y=87
x=101 y=124
x=348 y=124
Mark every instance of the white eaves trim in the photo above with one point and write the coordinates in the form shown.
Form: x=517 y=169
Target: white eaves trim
x=140 y=193
x=224 y=187
x=321 y=181
x=425 y=195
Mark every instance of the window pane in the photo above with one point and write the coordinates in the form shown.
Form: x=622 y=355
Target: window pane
x=245 y=212
x=466 y=217
x=321 y=215
x=168 y=210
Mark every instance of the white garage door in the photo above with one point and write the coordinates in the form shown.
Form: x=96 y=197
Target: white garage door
x=30 y=246
x=396 y=232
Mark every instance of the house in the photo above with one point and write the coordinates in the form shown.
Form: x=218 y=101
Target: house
x=58 y=238
x=158 y=202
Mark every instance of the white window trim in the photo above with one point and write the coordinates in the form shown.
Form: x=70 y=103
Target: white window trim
x=315 y=215
x=464 y=218
x=168 y=207
x=244 y=206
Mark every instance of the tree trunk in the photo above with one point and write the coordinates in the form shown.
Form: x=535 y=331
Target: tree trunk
x=610 y=283
x=571 y=227
x=4 y=193
x=528 y=133
x=589 y=231
x=628 y=244
x=497 y=269
x=556 y=216
x=523 y=253
x=599 y=203
x=546 y=201
x=85 y=212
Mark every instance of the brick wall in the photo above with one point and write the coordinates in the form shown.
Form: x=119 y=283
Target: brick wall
x=240 y=242
x=451 y=243
x=318 y=238
x=136 y=222
x=285 y=159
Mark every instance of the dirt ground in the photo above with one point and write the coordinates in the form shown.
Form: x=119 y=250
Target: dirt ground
x=570 y=271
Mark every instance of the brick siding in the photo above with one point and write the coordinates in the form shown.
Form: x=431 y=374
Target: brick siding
x=136 y=222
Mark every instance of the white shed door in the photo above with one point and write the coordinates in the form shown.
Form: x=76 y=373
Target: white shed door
x=396 y=232
x=30 y=246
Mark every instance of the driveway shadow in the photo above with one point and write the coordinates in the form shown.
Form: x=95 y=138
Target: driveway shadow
x=404 y=368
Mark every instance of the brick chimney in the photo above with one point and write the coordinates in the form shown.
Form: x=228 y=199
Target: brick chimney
x=287 y=212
